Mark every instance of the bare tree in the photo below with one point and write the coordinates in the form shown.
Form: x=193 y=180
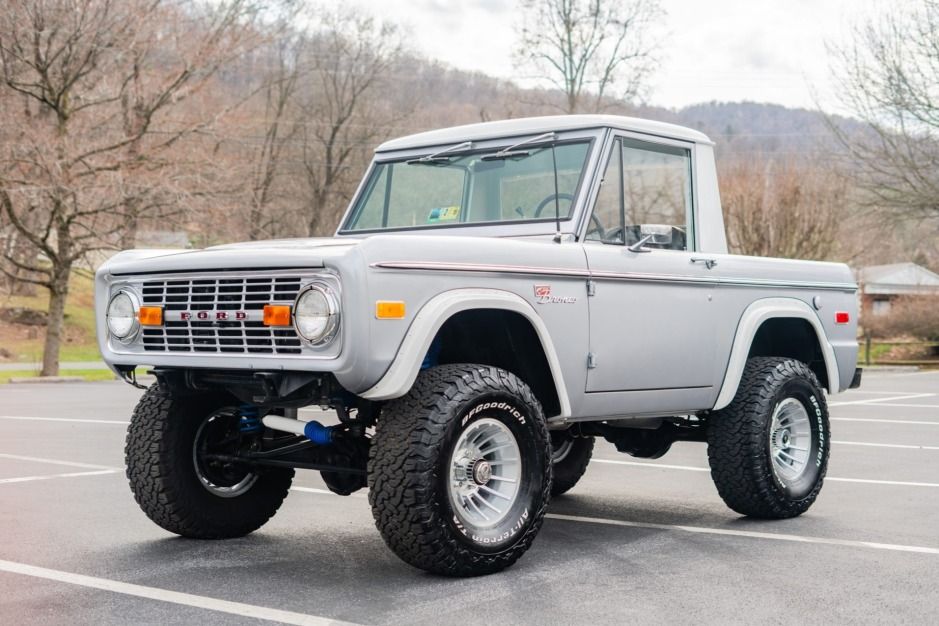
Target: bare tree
x=889 y=78
x=284 y=66
x=783 y=209
x=100 y=79
x=346 y=107
x=591 y=50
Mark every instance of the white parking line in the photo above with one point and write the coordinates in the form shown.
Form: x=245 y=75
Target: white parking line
x=687 y=468
x=690 y=468
x=884 y=421
x=165 y=595
x=880 y=393
x=881 y=401
x=62 y=419
x=36 y=459
x=747 y=533
x=907 y=405
x=26 y=479
x=905 y=374
x=870 y=481
x=885 y=445
x=712 y=531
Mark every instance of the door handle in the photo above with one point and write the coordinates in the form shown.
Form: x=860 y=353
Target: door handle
x=708 y=263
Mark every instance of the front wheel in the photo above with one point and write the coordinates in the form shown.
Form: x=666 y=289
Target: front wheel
x=175 y=454
x=460 y=470
x=768 y=449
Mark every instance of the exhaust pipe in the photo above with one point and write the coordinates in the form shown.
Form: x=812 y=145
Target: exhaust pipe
x=312 y=430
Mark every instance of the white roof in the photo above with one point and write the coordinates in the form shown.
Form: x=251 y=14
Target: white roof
x=898 y=278
x=536 y=125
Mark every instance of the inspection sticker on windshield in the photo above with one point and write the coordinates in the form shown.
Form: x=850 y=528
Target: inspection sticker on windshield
x=443 y=214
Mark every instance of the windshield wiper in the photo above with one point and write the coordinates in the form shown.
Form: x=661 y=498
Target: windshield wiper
x=437 y=157
x=512 y=151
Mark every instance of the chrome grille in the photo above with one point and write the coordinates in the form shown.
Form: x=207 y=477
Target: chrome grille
x=229 y=294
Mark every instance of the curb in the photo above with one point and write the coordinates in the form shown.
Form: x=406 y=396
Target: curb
x=33 y=380
x=47 y=379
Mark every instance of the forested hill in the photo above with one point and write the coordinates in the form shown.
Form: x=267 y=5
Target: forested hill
x=443 y=96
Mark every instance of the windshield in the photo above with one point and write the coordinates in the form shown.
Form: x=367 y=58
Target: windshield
x=451 y=190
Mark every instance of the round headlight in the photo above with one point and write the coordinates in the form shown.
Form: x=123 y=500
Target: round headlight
x=122 y=316
x=316 y=314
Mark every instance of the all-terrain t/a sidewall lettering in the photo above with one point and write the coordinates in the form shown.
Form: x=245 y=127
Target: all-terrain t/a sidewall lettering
x=803 y=391
x=516 y=417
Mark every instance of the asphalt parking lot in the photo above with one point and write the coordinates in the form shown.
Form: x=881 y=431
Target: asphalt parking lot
x=635 y=541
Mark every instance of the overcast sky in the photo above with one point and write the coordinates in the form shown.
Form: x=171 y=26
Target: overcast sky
x=758 y=50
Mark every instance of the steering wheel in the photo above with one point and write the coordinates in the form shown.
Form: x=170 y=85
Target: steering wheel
x=550 y=198
x=595 y=227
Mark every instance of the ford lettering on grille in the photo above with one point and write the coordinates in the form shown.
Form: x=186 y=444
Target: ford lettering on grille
x=217 y=316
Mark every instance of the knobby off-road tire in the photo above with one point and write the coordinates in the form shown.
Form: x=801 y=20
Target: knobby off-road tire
x=419 y=452
x=161 y=468
x=743 y=442
x=570 y=456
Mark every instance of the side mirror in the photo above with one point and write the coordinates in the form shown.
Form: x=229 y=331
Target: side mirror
x=658 y=234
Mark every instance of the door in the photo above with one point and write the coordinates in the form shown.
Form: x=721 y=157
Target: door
x=653 y=310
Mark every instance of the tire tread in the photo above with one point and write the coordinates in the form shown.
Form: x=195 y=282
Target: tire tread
x=152 y=453
x=402 y=469
x=740 y=470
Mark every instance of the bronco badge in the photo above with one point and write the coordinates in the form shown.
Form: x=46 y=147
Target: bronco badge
x=543 y=296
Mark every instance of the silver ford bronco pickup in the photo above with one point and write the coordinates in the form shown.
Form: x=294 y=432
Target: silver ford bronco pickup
x=496 y=297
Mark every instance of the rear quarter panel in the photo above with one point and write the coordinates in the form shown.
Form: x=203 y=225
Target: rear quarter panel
x=825 y=287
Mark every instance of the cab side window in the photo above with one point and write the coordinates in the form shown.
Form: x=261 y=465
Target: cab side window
x=645 y=193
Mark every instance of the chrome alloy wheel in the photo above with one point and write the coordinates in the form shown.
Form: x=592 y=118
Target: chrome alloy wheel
x=790 y=439
x=485 y=469
x=219 y=433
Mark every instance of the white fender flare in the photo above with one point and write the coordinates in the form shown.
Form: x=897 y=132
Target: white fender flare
x=403 y=371
x=751 y=320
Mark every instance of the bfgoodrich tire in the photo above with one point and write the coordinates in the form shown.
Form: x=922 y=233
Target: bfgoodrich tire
x=460 y=471
x=570 y=457
x=768 y=449
x=181 y=490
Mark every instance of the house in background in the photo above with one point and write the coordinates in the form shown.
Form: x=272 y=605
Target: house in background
x=879 y=285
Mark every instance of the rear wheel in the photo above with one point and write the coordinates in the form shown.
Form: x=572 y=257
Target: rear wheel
x=460 y=470
x=768 y=449
x=570 y=456
x=173 y=453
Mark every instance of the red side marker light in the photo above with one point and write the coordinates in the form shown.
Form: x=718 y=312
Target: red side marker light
x=842 y=317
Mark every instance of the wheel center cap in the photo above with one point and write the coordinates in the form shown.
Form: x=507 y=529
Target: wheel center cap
x=783 y=439
x=482 y=472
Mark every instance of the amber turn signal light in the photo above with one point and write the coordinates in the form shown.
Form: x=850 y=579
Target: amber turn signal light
x=150 y=315
x=389 y=310
x=277 y=315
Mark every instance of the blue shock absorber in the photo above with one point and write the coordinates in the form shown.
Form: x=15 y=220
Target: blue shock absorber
x=318 y=434
x=250 y=420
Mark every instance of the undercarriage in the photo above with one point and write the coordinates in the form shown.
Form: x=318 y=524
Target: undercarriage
x=265 y=408
x=339 y=451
